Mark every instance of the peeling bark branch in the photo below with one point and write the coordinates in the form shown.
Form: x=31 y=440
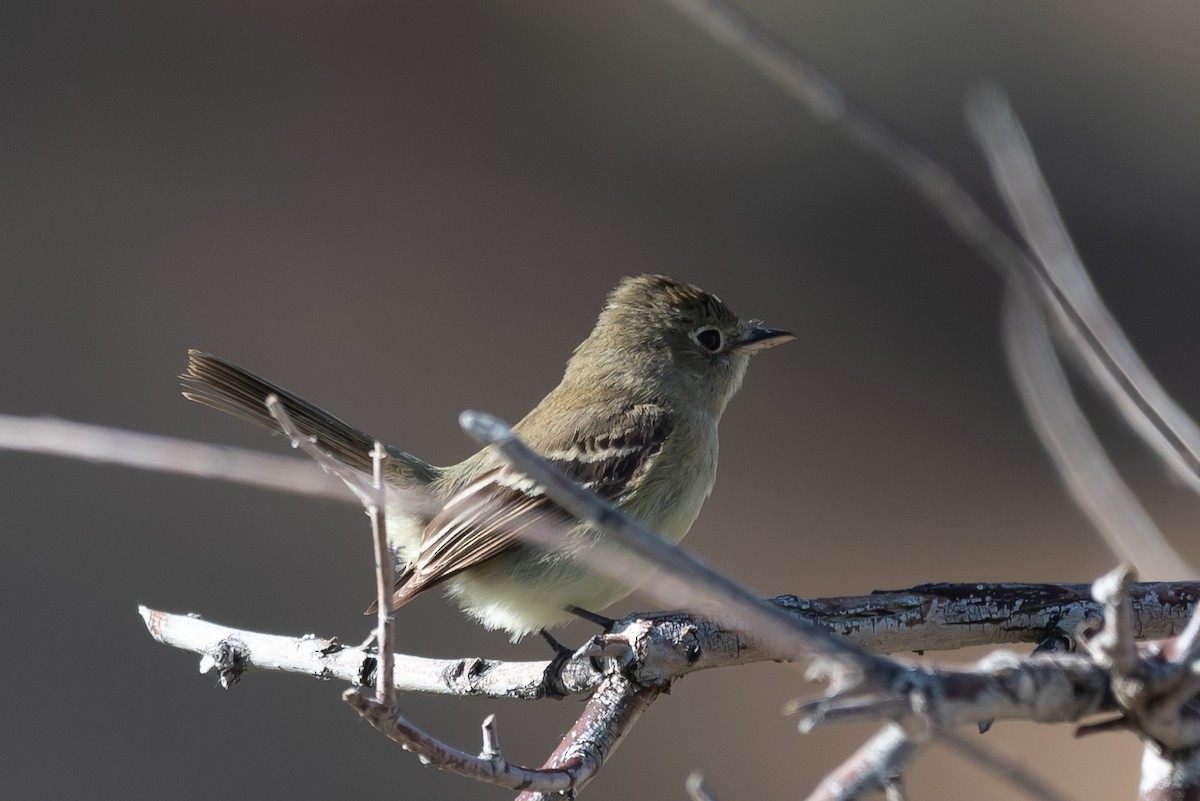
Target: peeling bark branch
x=932 y=617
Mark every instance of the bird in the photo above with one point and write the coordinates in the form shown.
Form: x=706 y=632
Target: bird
x=634 y=419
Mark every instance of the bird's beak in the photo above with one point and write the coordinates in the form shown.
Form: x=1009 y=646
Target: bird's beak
x=753 y=339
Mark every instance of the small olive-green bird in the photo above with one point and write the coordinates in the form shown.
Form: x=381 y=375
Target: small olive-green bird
x=634 y=419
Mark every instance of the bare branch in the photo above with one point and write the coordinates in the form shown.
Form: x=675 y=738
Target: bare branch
x=358 y=483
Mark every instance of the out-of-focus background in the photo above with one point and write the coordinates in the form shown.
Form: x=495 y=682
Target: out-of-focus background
x=401 y=210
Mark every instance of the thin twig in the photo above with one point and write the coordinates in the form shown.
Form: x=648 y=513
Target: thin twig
x=432 y=751
x=360 y=484
x=385 y=687
x=491 y=740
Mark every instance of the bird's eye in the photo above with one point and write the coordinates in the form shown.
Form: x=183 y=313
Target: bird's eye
x=708 y=338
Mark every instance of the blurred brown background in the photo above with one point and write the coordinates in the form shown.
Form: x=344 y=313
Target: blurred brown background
x=401 y=210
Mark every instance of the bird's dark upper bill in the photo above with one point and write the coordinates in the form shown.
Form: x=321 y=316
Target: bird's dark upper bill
x=756 y=339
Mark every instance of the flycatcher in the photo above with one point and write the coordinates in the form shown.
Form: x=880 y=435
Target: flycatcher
x=634 y=419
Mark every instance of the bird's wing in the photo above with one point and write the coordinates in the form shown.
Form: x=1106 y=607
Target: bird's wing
x=611 y=457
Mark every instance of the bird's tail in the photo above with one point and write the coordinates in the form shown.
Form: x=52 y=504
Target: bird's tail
x=215 y=382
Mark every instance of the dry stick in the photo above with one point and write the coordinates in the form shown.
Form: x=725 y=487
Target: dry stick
x=385 y=687
x=928 y=699
x=373 y=495
x=1155 y=695
x=850 y=665
x=360 y=485
x=1114 y=646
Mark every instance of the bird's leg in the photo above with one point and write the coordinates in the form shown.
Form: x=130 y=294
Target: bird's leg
x=559 y=648
x=603 y=622
x=553 y=673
